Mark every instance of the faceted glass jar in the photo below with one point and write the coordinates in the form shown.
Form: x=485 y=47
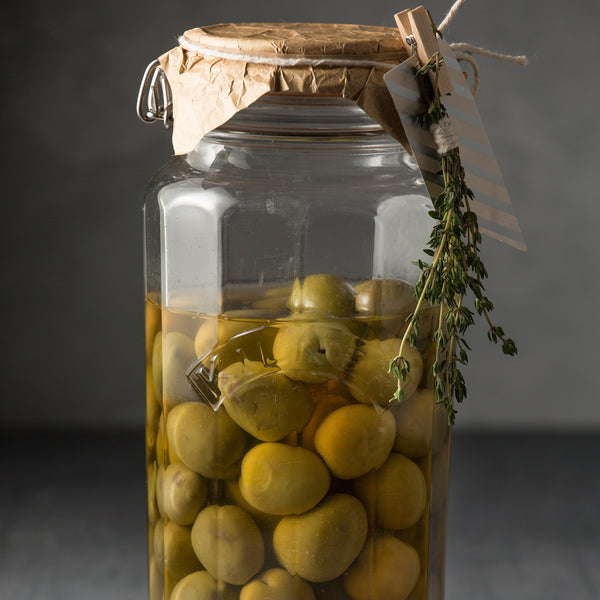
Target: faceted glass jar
x=279 y=275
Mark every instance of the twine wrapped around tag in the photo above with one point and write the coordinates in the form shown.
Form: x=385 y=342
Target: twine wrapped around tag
x=218 y=70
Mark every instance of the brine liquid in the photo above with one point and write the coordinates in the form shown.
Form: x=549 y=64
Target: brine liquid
x=185 y=354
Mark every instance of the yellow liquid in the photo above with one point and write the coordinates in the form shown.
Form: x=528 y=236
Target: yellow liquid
x=185 y=354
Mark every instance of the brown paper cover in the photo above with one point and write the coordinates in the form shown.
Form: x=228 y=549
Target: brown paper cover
x=208 y=91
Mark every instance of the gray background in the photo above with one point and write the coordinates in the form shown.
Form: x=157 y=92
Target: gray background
x=75 y=161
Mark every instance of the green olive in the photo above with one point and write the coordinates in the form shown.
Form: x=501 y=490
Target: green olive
x=277 y=584
x=283 y=480
x=421 y=425
x=386 y=569
x=326 y=404
x=180 y=558
x=385 y=297
x=177 y=357
x=184 y=494
x=313 y=352
x=208 y=442
x=388 y=303
x=324 y=293
x=355 y=439
x=396 y=493
x=321 y=544
x=206 y=337
x=201 y=585
x=173 y=549
x=228 y=543
x=371 y=380
x=264 y=402
x=233 y=495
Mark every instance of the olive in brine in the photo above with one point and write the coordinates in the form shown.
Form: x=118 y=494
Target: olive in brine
x=228 y=543
x=282 y=480
x=184 y=494
x=354 y=439
x=371 y=380
x=173 y=549
x=201 y=585
x=386 y=569
x=277 y=584
x=263 y=401
x=233 y=495
x=177 y=357
x=323 y=293
x=395 y=494
x=421 y=425
x=326 y=404
x=207 y=441
x=385 y=297
x=313 y=351
x=321 y=544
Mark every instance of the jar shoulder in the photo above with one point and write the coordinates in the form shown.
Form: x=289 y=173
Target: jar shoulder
x=270 y=166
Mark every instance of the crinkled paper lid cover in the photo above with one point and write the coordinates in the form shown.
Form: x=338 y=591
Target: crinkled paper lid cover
x=208 y=90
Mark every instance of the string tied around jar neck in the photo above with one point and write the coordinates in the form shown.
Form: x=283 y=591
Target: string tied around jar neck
x=282 y=61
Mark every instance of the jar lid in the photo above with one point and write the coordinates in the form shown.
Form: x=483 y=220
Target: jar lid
x=218 y=70
x=304 y=39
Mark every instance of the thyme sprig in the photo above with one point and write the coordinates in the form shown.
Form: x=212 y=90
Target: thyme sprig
x=455 y=270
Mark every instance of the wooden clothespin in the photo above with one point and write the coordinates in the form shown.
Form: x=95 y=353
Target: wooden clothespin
x=418 y=23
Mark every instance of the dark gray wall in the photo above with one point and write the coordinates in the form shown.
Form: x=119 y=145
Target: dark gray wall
x=76 y=159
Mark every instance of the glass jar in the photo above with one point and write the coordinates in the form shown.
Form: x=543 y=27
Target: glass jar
x=280 y=264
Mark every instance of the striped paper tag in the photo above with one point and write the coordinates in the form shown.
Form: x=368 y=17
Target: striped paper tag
x=482 y=173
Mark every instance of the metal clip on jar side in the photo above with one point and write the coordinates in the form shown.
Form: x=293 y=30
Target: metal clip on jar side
x=155 y=101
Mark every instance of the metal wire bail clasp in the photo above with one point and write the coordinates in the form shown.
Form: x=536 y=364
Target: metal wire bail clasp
x=155 y=101
x=410 y=40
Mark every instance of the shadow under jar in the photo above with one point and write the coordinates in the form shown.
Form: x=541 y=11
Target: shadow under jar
x=279 y=261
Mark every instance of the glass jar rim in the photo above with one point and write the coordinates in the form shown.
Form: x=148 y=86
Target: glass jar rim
x=300 y=114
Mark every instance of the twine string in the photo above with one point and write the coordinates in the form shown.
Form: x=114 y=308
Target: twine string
x=451 y=14
x=518 y=60
x=464 y=51
x=283 y=61
x=467 y=57
x=444 y=135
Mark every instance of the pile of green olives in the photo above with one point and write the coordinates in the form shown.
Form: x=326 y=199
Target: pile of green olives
x=297 y=477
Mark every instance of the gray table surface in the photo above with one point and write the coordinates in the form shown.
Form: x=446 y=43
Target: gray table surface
x=523 y=523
